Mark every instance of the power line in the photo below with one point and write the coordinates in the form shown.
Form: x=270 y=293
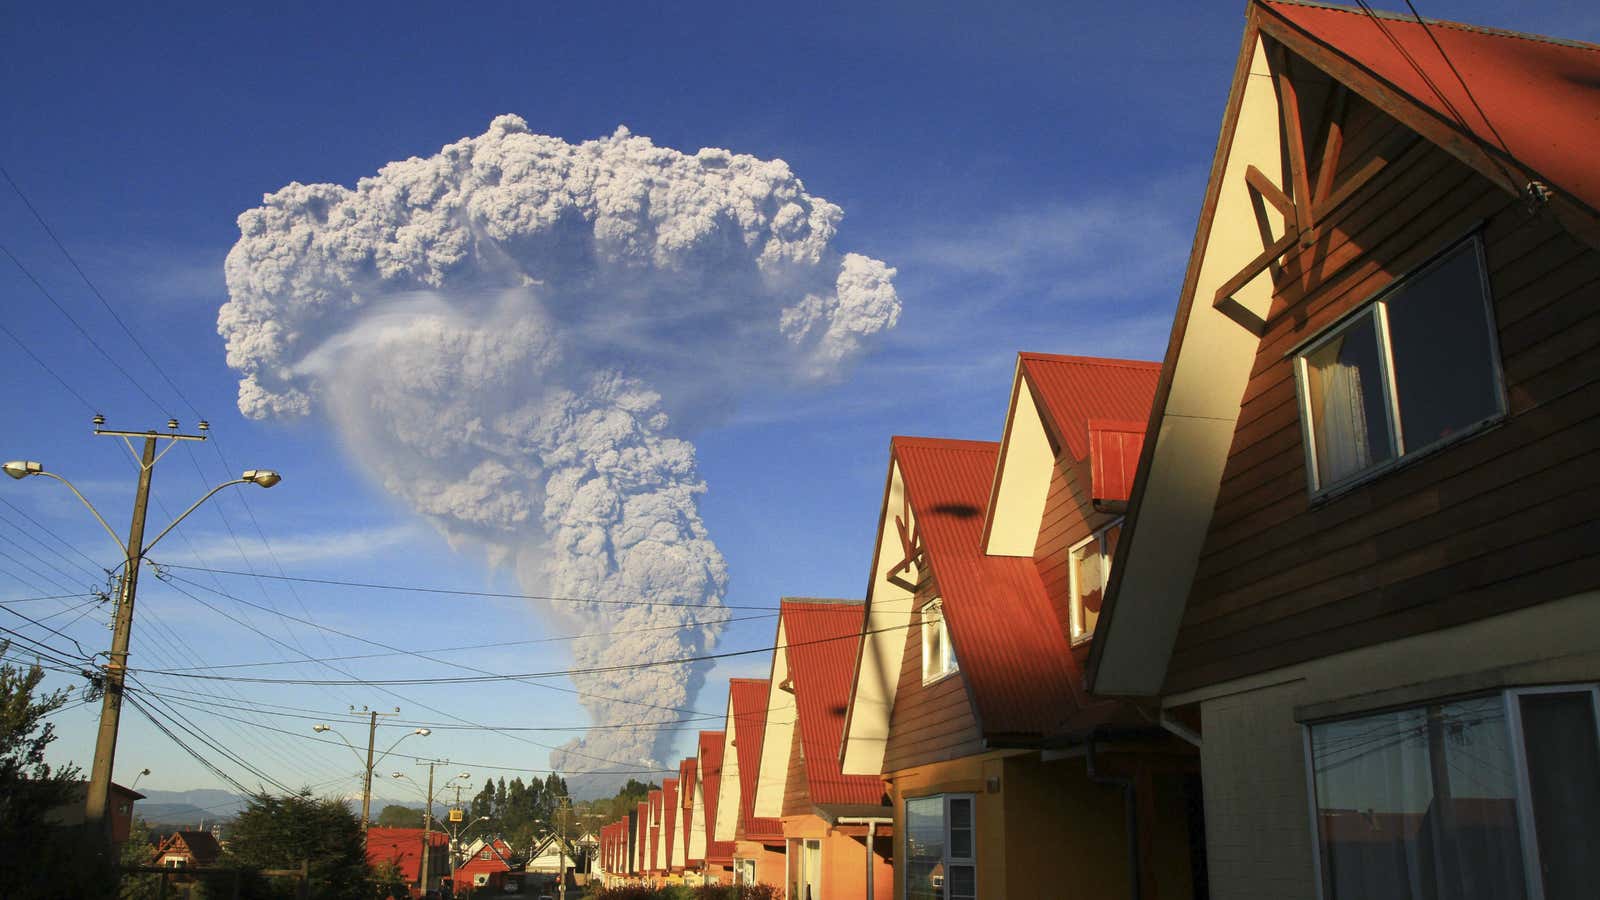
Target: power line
x=45 y=366
x=81 y=330
x=546 y=640
x=466 y=593
x=96 y=291
x=521 y=676
x=379 y=687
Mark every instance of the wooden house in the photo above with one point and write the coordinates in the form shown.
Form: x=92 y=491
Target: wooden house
x=716 y=857
x=191 y=850
x=835 y=826
x=1361 y=562
x=403 y=848
x=686 y=861
x=967 y=698
x=758 y=843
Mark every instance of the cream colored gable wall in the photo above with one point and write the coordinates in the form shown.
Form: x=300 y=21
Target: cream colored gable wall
x=878 y=674
x=1202 y=410
x=1022 y=477
x=677 y=836
x=697 y=826
x=781 y=721
x=727 y=823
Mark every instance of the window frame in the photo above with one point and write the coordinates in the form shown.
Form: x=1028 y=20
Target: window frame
x=1515 y=740
x=1376 y=307
x=1098 y=536
x=947 y=859
x=949 y=664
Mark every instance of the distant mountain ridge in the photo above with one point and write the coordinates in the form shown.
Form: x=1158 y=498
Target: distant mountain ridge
x=190 y=808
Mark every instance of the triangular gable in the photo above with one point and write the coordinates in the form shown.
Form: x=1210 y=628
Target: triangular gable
x=1538 y=93
x=1054 y=400
x=1269 y=188
x=741 y=764
x=687 y=795
x=887 y=613
x=812 y=665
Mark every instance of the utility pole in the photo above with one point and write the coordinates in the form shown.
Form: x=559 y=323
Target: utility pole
x=427 y=832
x=366 y=780
x=97 y=799
x=105 y=743
x=561 y=845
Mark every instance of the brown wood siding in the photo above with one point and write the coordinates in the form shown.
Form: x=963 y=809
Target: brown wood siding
x=796 y=793
x=929 y=723
x=1069 y=517
x=1503 y=519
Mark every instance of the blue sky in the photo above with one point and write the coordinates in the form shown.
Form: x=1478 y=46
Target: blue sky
x=1032 y=170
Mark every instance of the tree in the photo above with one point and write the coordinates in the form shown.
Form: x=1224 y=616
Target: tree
x=397 y=816
x=279 y=832
x=30 y=789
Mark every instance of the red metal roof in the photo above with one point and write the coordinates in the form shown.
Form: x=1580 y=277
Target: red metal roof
x=1072 y=390
x=669 y=820
x=749 y=699
x=1010 y=648
x=710 y=784
x=822 y=638
x=1542 y=96
x=686 y=771
x=401 y=846
x=1114 y=457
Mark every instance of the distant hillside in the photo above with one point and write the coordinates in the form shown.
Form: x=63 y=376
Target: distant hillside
x=188 y=808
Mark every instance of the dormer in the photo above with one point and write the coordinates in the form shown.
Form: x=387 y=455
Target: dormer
x=1070 y=417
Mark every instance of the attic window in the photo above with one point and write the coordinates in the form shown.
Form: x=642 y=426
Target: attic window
x=1415 y=369
x=938 y=656
x=1089 y=566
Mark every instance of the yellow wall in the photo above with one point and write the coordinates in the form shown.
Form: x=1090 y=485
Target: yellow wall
x=1047 y=832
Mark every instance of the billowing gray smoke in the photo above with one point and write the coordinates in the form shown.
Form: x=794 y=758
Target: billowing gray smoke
x=511 y=335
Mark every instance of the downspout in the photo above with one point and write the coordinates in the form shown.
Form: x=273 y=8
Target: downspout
x=1130 y=810
x=872 y=823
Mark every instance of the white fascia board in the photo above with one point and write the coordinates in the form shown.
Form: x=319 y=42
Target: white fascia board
x=1202 y=410
x=782 y=716
x=728 y=805
x=877 y=675
x=1022 y=477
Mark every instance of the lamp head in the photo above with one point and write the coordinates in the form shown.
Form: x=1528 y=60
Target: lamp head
x=264 y=477
x=20 y=469
x=423 y=731
x=396 y=775
x=320 y=727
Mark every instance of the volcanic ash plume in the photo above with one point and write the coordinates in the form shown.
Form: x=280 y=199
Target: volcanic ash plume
x=512 y=333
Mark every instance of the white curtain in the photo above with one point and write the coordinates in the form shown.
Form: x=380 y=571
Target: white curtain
x=1341 y=423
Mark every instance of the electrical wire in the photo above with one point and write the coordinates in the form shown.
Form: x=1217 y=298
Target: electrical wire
x=468 y=593
x=553 y=673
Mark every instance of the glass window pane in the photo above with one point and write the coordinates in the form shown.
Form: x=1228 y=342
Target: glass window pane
x=1087 y=581
x=963 y=883
x=925 y=848
x=933 y=650
x=1345 y=394
x=960 y=813
x=1558 y=733
x=1444 y=365
x=1418 y=803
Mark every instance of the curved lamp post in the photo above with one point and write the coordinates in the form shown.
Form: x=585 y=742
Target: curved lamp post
x=97 y=798
x=371 y=761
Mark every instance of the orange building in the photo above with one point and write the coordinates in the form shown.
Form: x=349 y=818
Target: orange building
x=837 y=828
x=757 y=842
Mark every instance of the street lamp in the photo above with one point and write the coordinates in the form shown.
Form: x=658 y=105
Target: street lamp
x=371 y=762
x=97 y=798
